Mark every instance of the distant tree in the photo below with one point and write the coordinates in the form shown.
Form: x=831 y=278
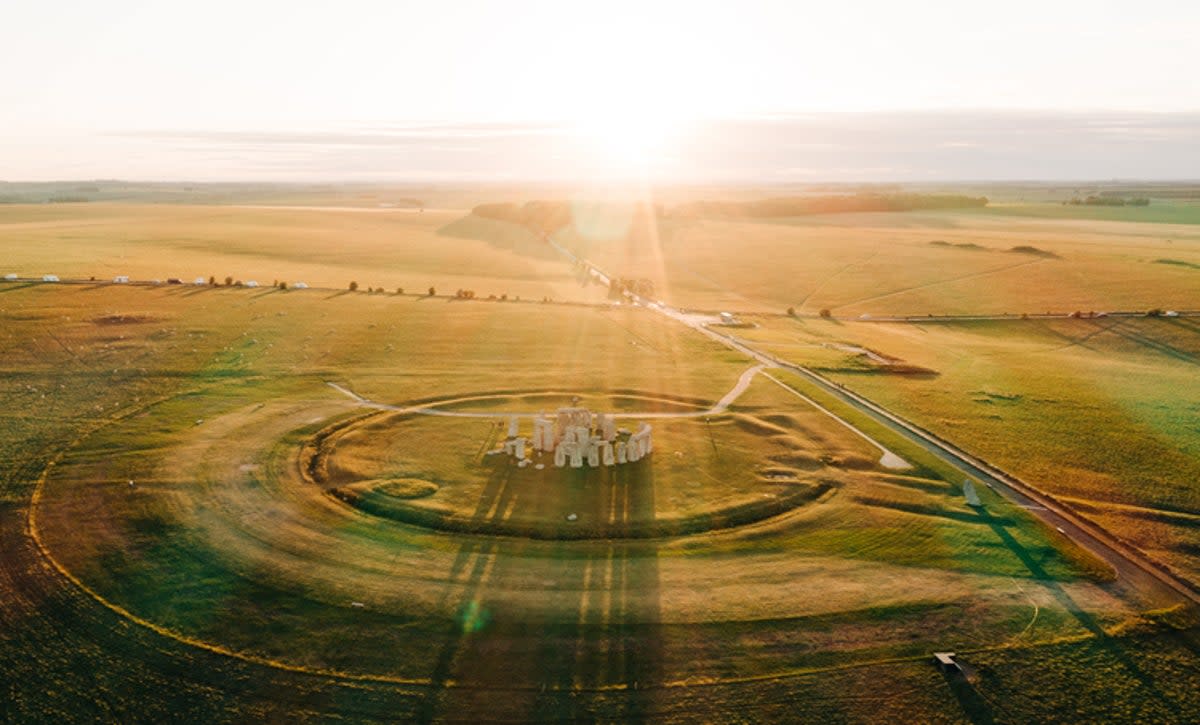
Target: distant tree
x=504 y=297
x=432 y=291
x=283 y=285
x=212 y=281
x=228 y=281
x=825 y=312
x=791 y=311
x=354 y=286
x=399 y=290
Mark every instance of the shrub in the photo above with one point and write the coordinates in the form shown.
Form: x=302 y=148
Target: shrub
x=399 y=290
x=432 y=291
x=791 y=312
x=354 y=286
x=228 y=281
x=825 y=312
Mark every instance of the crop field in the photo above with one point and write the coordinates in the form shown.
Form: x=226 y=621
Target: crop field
x=378 y=248
x=912 y=263
x=226 y=503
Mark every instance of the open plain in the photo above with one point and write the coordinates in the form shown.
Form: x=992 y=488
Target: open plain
x=283 y=502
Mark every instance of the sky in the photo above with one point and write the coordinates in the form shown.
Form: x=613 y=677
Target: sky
x=465 y=89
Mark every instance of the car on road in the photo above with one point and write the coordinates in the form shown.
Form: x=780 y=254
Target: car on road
x=49 y=277
x=121 y=279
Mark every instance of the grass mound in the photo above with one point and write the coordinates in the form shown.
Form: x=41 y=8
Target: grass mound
x=403 y=487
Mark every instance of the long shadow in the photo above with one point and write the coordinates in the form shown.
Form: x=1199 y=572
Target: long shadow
x=469 y=613
x=1089 y=622
x=593 y=617
x=1156 y=345
x=977 y=709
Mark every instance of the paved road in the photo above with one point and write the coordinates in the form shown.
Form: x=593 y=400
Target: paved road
x=1130 y=565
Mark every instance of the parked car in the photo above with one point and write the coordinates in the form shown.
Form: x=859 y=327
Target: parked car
x=49 y=277
x=121 y=279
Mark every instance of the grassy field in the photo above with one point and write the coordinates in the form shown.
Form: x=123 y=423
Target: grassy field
x=1100 y=413
x=912 y=263
x=761 y=563
x=388 y=248
x=220 y=548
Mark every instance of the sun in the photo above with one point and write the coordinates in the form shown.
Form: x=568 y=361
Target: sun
x=630 y=139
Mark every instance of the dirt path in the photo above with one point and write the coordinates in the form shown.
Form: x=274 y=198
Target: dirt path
x=721 y=406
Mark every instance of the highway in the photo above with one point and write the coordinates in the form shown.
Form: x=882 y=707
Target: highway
x=1131 y=566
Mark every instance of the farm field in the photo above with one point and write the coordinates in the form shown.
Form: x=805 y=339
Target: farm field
x=911 y=263
x=1100 y=413
x=323 y=247
x=805 y=569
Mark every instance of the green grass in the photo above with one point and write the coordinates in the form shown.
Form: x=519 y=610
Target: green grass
x=1098 y=411
x=205 y=398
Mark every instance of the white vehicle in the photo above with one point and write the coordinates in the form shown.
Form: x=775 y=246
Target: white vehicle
x=300 y=285
x=251 y=283
x=10 y=277
x=121 y=279
x=199 y=281
x=49 y=277
x=156 y=281
x=1170 y=313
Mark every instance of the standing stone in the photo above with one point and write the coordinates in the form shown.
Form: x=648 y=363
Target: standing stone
x=609 y=429
x=560 y=455
x=593 y=453
x=971 y=495
x=520 y=448
x=576 y=455
x=606 y=453
x=622 y=452
x=513 y=427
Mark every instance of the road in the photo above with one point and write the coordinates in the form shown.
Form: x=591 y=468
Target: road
x=1130 y=565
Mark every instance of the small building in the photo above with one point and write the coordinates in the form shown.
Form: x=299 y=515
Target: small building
x=946 y=663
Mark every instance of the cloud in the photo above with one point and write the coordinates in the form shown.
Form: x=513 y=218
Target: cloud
x=961 y=145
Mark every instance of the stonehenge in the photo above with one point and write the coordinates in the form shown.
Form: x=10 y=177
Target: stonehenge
x=576 y=437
